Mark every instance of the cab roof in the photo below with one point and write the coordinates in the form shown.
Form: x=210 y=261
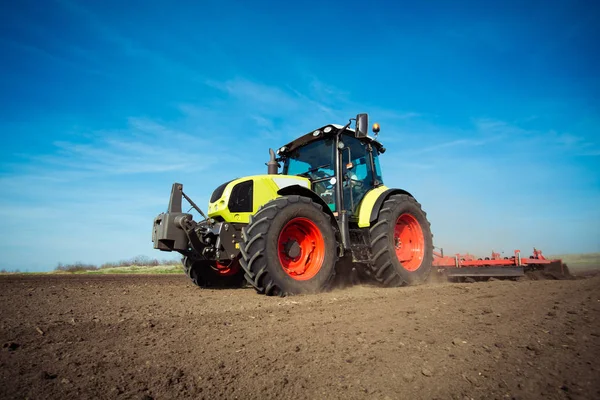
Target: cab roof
x=326 y=131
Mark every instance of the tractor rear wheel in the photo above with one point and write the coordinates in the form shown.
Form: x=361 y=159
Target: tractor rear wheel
x=401 y=243
x=289 y=248
x=214 y=274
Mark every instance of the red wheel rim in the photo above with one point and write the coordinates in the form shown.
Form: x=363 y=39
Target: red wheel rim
x=227 y=268
x=409 y=242
x=301 y=249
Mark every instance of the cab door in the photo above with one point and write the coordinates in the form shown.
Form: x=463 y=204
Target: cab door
x=357 y=174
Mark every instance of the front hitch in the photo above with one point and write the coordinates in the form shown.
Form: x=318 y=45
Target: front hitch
x=177 y=231
x=168 y=233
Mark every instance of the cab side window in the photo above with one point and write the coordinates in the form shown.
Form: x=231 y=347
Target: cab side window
x=357 y=173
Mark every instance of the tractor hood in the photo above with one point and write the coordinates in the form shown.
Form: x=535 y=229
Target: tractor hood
x=236 y=200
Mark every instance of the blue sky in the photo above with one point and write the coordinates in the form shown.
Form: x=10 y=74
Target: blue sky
x=489 y=110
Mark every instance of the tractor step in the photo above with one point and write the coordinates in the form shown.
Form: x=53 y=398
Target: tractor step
x=484 y=271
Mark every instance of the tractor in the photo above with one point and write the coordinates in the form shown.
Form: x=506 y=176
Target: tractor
x=291 y=231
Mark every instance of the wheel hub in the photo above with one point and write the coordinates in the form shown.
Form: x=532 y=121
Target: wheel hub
x=409 y=242
x=301 y=248
x=292 y=249
x=397 y=243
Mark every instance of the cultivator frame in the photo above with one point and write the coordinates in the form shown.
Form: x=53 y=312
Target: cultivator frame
x=467 y=265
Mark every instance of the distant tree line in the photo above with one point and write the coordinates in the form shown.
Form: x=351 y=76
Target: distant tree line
x=139 y=261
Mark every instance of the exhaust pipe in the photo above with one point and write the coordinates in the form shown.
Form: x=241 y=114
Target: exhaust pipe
x=272 y=165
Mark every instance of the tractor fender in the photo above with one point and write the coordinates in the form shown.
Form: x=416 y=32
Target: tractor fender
x=305 y=192
x=372 y=203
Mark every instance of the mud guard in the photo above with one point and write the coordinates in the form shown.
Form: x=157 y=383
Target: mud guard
x=381 y=199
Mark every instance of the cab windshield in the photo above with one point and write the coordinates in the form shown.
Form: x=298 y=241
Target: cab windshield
x=313 y=161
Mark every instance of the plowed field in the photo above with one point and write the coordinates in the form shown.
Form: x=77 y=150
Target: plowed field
x=159 y=337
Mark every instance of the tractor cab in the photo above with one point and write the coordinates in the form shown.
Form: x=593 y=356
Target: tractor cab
x=334 y=155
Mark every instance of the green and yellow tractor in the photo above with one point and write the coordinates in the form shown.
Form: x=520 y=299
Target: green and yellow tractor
x=291 y=231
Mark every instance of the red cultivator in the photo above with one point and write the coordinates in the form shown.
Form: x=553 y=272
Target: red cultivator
x=467 y=265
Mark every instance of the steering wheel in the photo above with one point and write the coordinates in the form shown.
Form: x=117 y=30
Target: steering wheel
x=350 y=182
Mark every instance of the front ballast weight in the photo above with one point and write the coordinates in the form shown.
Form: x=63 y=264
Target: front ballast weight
x=204 y=240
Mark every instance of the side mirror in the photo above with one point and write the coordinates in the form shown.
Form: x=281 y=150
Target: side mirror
x=362 y=125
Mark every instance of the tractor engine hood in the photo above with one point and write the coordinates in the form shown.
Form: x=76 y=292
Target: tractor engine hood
x=236 y=200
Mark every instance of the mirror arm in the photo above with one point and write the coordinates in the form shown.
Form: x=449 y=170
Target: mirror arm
x=346 y=126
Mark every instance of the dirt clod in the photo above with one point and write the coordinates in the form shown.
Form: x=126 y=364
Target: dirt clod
x=48 y=375
x=408 y=377
x=11 y=346
x=534 y=348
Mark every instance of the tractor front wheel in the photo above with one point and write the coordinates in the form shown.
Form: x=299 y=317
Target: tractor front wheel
x=289 y=247
x=401 y=243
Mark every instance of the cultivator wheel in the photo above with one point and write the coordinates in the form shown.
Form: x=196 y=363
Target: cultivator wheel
x=401 y=243
x=207 y=273
x=289 y=248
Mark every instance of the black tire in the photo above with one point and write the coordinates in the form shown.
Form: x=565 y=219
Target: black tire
x=203 y=274
x=385 y=266
x=260 y=253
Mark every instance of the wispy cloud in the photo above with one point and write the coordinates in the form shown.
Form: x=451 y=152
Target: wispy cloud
x=278 y=113
x=54 y=57
x=392 y=115
x=498 y=128
x=288 y=106
x=144 y=147
x=263 y=97
x=105 y=173
x=141 y=47
x=543 y=140
x=113 y=180
x=452 y=143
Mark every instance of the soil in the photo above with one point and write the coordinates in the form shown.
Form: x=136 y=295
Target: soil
x=160 y=337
